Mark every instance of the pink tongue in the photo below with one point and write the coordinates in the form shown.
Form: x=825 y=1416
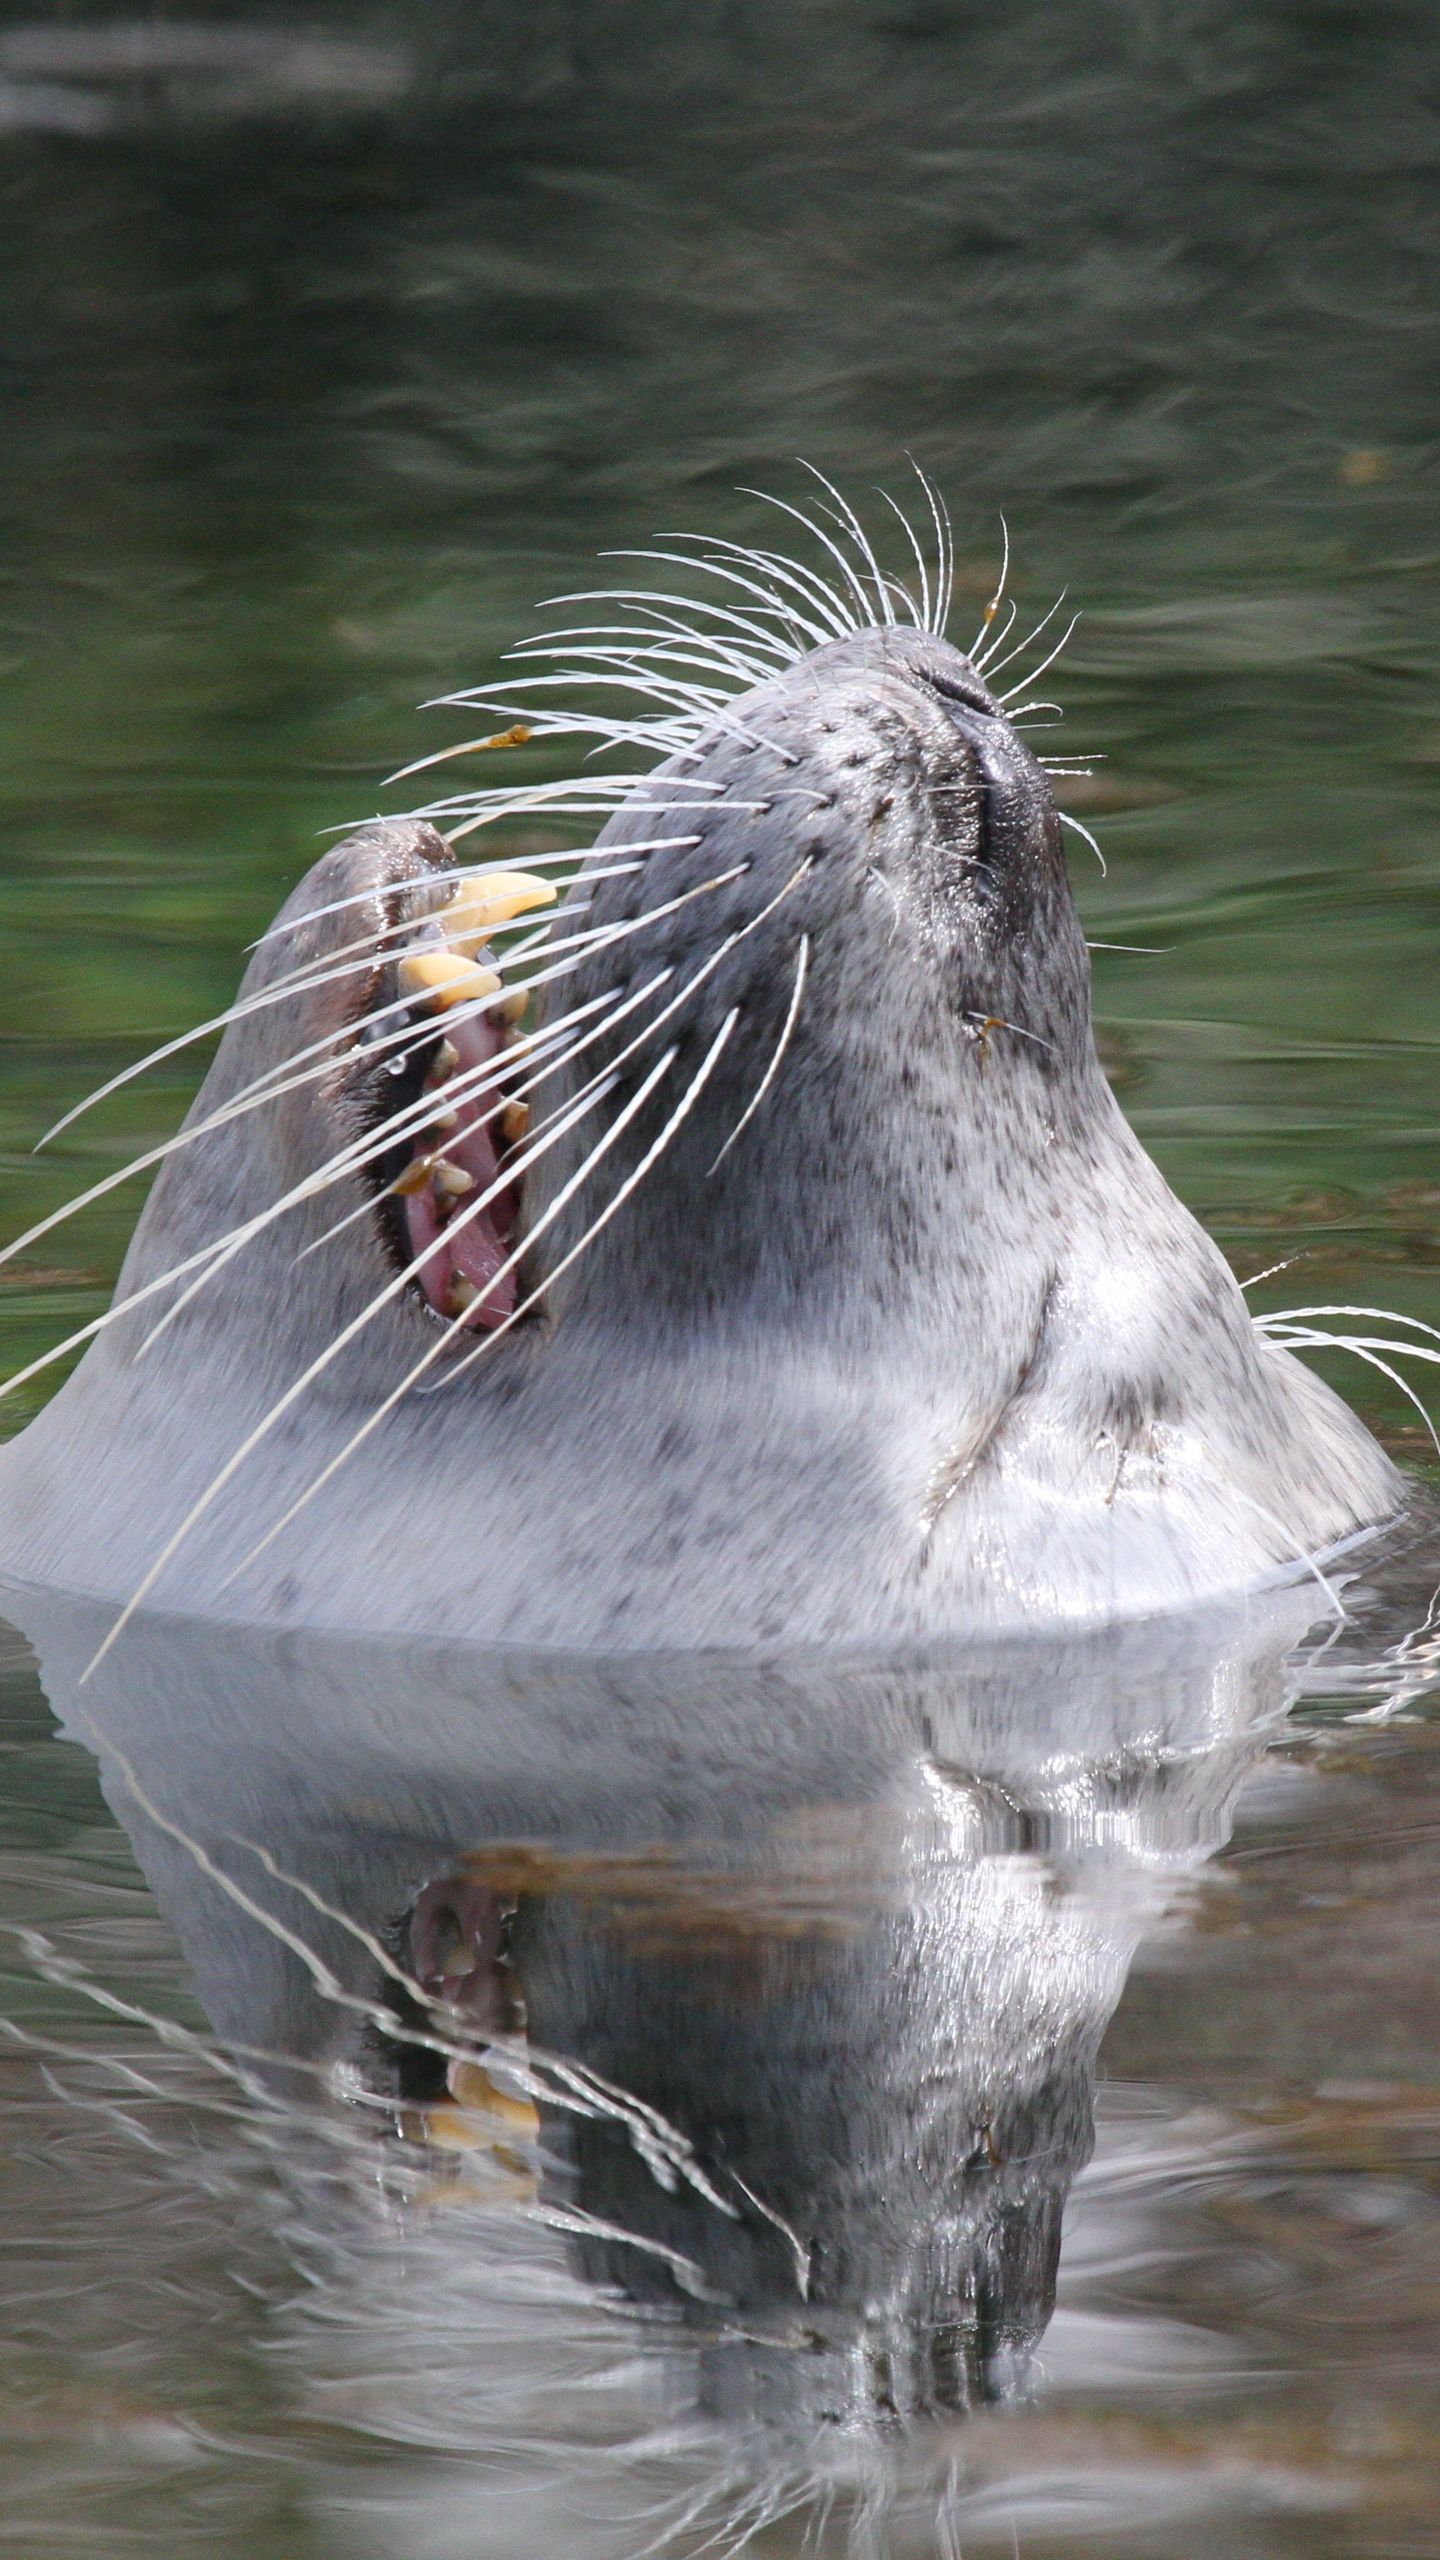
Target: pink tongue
x=472 y=1244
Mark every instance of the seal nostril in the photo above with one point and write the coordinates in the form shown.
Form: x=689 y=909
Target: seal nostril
x=969 y=692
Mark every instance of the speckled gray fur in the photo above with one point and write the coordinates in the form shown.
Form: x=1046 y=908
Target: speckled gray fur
x=933 y=1347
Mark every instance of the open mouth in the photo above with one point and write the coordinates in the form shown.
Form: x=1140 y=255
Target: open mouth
x=450 y=1188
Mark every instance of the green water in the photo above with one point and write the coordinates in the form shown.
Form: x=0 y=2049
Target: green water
x=316 y=373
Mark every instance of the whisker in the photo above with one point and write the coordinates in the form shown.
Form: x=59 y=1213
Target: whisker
x=850 y=576
x=297 y=984
x=297 y=1388
x=920 y=612
x=1037 y=672
x=463 y=871
x=781 y=1046
x=1362 y=1347
x=858 y=535
x=1272 y=1269
x=1298 y=1554
x=709 y=707
x=650 y=600
x=993 y=606
x=456 y=1324
x=1374 y=1315
x=993 y=664
x=792 y=573
x=466 y=1086
x=944 y=548
x=710 y=567
x=265 y=1090
x=362 y=1151
x=630 y=1184
x=703 y=648
x=1002 y=634
x=1076 y=829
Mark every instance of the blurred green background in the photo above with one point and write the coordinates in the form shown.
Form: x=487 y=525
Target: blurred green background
x=332 y=341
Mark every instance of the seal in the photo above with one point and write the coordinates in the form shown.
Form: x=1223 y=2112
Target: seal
x=753 y=1253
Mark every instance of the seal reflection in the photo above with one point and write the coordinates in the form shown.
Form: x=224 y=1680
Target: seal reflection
x=761 y=1999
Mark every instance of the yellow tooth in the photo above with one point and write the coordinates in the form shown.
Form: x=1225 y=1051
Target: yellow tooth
x=453 y=2129
x=515 y=1122
x=414 y=1177
x=445 y=978
x=494 y=898
x=472 y=2085
x=451 y=1180
x=444 y=1062
x=462 y=1293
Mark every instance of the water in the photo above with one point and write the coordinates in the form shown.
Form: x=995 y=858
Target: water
x=332 y=346
x=724 y=2193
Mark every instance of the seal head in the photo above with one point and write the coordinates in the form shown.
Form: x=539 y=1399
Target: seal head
x=789 y=1274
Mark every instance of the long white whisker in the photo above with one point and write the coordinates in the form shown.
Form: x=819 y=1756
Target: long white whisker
x=1002 y=634
x=686 y=703
x=920 y=612
x=1036 y=673
x=630 y=1184
x=297 y=984
x=574 y=855
x=850 y=576
x=790 y=572
x=708 y=967
x=281 y=1078
x=363 y=1151
x=993 y=606
x=594 y=662
x=474 y=1080
x=944 y=576
x=796 y=632
x=993 y=664
x=1298 y=1554
x=462 y=1087
x=1271 y=1272
x=561 y=1200
x=1376 y=1315
x=766 y=597
x=773 y=1069
x=651 y=601
x=290 y=1397
x=265 y=1091
x=1303 y=1340
x=706 y=709
x=1076 y=829
x=270 y=1086
x=466 y=1086
x=572 y=795
x=597 y=660
x=858 y=535
x=659 y=635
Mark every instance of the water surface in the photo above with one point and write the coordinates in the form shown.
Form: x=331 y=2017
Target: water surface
x=330 y=347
